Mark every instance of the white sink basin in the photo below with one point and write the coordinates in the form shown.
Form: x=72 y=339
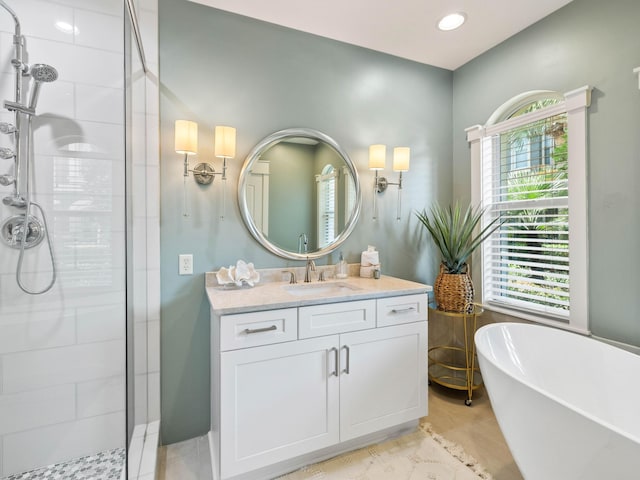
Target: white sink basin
x=329 y=289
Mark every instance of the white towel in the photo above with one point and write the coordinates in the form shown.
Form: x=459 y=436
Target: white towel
x=369 y=262
x=369 y=257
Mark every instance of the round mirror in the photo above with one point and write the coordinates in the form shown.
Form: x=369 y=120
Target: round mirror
x=299 y=193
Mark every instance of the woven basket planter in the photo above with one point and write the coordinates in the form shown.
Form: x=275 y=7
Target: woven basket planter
x=454 y=291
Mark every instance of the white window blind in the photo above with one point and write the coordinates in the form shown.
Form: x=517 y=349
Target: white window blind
x=525 y=180
x=326 y=206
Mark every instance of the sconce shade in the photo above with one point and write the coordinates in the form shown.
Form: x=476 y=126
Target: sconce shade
x=186 y=137
x=225 y=142
x=401 y=156
x=377 y=157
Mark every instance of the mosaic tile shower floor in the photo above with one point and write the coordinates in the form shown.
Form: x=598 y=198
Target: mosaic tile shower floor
x=101 y=466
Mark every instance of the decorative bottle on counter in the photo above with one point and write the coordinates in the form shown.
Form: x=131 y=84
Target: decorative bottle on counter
x=342 y=268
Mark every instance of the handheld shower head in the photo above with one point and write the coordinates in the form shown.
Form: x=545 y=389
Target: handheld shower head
x=41 y=73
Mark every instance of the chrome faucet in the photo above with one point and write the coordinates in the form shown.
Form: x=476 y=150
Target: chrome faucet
x=311 y=267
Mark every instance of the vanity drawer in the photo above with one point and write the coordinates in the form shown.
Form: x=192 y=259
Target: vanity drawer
x=332 y=318
x=404 y=309
x=251 y=329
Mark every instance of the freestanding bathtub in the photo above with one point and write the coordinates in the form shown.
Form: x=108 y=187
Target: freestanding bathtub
x=568 y=405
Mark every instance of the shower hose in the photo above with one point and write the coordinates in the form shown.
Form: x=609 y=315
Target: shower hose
x=25 y=228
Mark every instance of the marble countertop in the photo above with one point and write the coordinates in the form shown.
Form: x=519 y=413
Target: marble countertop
x=276 y=293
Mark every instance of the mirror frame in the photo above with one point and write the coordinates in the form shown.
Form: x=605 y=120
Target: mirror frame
x=253 y=157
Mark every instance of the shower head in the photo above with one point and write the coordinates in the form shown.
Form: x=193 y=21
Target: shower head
x=6 y=153
x=14 y=201
x=7 y=128
x=41 y=73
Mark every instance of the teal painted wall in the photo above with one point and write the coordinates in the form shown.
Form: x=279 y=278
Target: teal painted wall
x=222 y=69
x=588 y=42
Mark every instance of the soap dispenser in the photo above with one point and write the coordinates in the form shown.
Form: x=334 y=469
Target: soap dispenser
x=342 y=268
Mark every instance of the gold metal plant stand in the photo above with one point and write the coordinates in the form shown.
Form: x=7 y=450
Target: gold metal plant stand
x=454 y=365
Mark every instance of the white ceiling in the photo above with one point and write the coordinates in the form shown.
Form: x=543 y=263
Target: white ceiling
x=405 y=28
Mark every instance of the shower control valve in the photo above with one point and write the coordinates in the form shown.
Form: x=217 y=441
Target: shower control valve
x=18 y=231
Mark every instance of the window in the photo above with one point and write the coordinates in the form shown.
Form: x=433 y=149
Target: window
x=529 y=169
x=327 y=202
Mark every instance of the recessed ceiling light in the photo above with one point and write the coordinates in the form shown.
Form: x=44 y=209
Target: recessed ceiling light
x=452 y=21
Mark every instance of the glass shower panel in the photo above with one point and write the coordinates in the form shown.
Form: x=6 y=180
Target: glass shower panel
x=143 y=263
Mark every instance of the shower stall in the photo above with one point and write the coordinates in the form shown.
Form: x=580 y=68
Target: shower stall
x=79 y=239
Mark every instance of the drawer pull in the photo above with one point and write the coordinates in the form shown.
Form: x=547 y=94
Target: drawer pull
x=260 y=330
x=403 y=310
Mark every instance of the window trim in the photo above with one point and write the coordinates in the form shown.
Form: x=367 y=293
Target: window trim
x=575 y=104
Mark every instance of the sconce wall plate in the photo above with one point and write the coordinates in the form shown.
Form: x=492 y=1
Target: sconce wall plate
x=203 y=173
x=381 y=184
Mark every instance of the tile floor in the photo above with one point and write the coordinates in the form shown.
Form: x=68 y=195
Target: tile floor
x=188 y=460
x=474 y=428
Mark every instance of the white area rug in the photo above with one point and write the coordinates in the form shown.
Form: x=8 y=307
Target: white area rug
x=421 y=455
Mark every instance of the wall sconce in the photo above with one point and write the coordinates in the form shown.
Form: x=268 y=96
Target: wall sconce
x=186 y=143
x=377 y=160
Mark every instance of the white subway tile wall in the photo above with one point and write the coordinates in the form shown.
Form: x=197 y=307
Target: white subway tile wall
x=62 y=354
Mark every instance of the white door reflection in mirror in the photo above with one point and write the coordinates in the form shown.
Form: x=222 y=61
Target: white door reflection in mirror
x=258 y=195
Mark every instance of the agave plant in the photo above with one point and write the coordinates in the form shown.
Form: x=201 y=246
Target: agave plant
x=453 y=232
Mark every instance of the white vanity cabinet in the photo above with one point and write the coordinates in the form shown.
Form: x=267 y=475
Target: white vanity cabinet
x=279 y=403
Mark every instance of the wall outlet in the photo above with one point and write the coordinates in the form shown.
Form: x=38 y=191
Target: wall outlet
x=185 y=264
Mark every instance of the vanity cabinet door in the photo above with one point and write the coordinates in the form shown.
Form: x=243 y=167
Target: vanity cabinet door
x=277 y=402
x=383 y=379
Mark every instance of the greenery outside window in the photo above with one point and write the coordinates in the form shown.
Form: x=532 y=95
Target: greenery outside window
x=529 y=168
